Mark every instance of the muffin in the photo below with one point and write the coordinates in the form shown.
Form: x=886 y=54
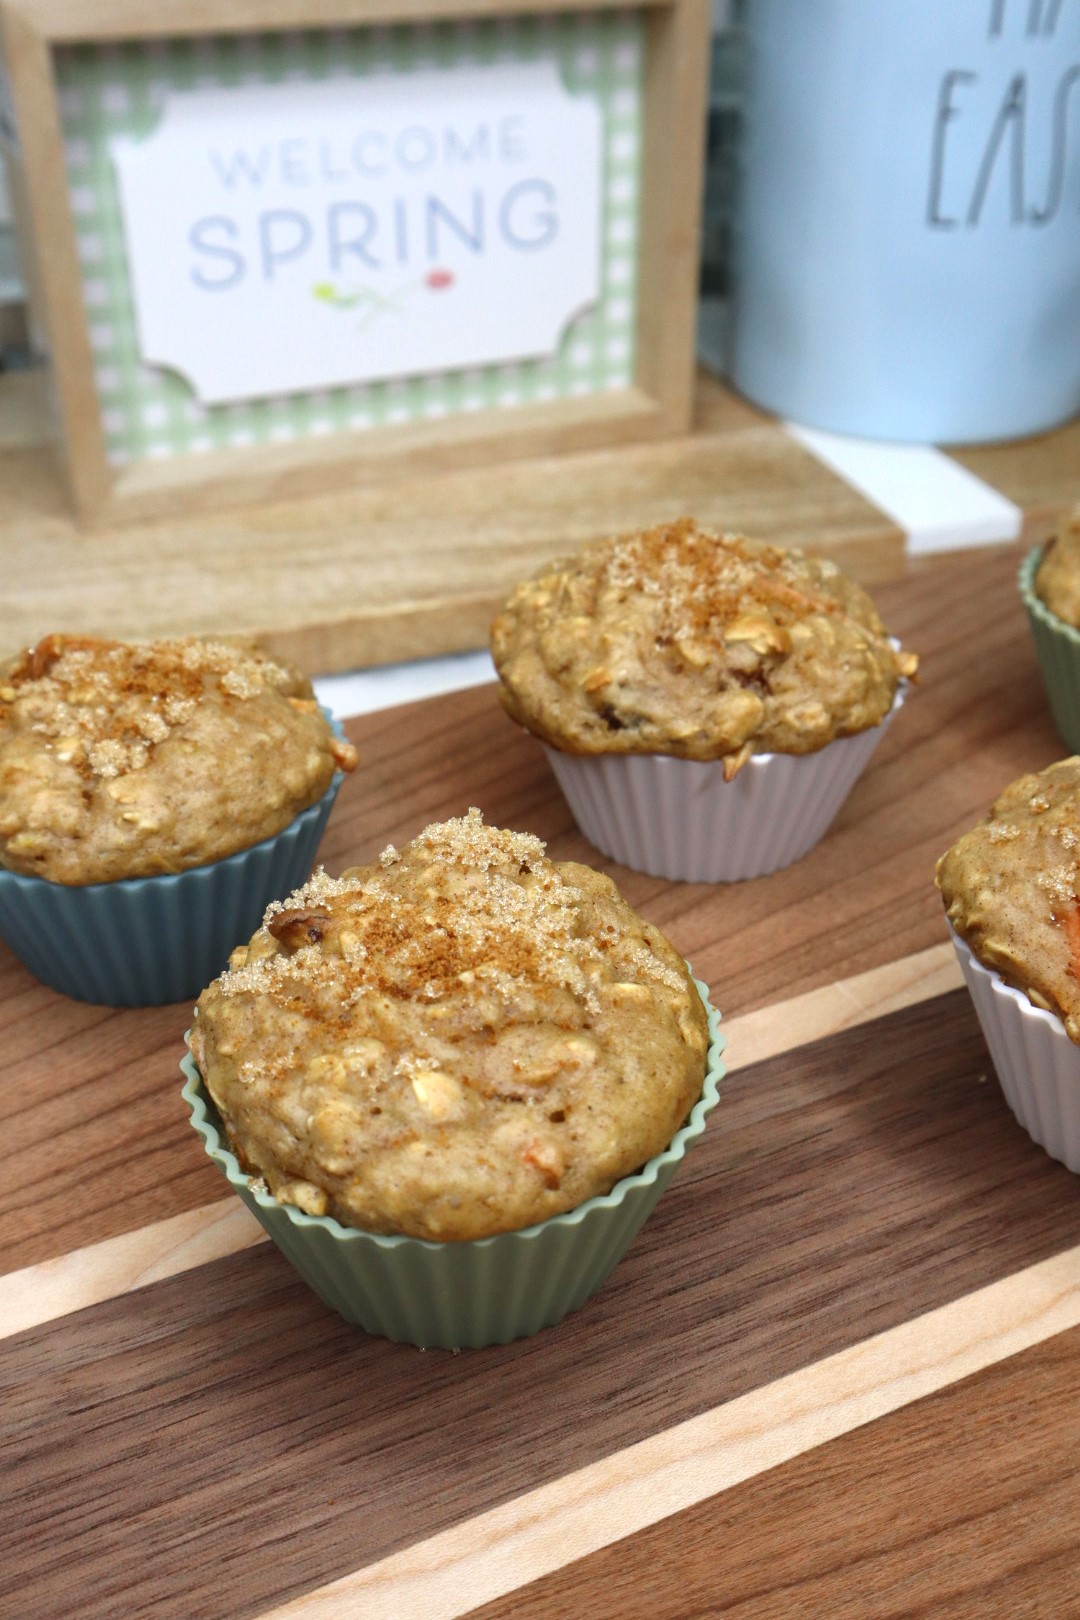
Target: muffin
x=1057 y=574
x=660 y=668
x=1010 y=892
x=1050 y=591
x=122 y=760
x=124 y=767
x=461 y=1043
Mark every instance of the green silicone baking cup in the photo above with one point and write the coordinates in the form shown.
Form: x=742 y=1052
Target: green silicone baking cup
x=1058 y=647
x=458 y=1296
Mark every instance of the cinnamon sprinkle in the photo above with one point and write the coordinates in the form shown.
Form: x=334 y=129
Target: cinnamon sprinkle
x=114 y=702
x=463 y=903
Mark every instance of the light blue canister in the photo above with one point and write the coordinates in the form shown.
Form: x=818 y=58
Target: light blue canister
x=907 y=240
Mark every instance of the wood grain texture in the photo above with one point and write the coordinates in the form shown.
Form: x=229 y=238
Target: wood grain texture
x=677 y=58
x=228 y=1405
x=372 y=575
x=134 y=19
x=117 y=1265
x=961 y=1507
x=864 y=897
x=556 y=1530
x=47 y=234
x=381 y=457
x=100 y=1271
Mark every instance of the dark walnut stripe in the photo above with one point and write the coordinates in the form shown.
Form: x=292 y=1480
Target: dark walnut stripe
x=962 y=1506
x=97 y=1140
x=219 y=1442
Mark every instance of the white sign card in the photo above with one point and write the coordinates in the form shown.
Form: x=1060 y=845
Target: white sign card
x=286 y=238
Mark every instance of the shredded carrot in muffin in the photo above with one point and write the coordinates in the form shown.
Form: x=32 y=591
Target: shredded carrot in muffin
x=1070 y=925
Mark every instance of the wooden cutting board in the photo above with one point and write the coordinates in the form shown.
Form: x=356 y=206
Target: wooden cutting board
x=834 y=1375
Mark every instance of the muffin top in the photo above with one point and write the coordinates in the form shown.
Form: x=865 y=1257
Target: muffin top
x=1010 y=889
x=1057 y=578
x=679 y=640
x=122 y=760
x=461 y=1039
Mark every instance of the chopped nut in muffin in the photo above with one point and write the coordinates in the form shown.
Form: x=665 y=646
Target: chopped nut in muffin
x=1057 y=579
x=1010 y=889
x=458 y=1040
x=122 y=760
x=678 y=640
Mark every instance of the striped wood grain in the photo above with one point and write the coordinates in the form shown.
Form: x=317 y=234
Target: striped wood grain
x=962 y=1506
x=621 y=1536
x=842 y=1189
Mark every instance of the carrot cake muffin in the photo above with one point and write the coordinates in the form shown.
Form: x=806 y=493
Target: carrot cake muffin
x=1010 y=889
x=123 y=760
x=1057 y=579
x=461 y=1039
x=680 y=640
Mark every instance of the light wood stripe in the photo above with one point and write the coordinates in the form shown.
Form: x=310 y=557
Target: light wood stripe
x=496 y=1553
x=768 y=1031
x=102 y=1271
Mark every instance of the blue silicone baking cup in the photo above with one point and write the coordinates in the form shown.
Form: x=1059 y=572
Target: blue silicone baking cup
x=142 y=942
x=462 y=1296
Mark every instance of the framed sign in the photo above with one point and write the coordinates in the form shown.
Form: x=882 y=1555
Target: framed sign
x=357 y=237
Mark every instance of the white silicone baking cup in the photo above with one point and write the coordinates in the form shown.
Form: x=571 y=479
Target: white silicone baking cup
x=678 y=818
x=1036 y=1062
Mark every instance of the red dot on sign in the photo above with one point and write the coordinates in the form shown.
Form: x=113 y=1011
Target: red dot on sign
x=437 y=279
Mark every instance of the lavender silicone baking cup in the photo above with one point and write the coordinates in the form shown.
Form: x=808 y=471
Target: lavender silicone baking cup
x=142 y=942
x=462 y=1296
x=1037 y=1064
x=1057 y=646
x=678 y=818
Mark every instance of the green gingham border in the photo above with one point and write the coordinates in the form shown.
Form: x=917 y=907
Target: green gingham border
x=116 y=89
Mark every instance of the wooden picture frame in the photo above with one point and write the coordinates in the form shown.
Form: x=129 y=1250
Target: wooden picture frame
x=657 y=404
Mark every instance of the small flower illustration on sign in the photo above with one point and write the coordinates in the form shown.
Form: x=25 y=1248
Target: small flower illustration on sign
x=370 y=303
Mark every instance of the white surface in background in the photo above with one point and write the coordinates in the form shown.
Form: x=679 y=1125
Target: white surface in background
x=366 y=690
x=939 y=504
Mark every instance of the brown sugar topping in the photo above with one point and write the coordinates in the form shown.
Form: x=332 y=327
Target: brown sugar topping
x=703 y=581
x=464 y=903
x=110 y=703
x=458 y=1039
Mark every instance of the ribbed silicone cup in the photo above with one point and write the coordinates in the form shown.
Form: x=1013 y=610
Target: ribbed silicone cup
x=1057 y=646
x=1037 y=1064
x=142 y=942
x=678 y=818
x=462 y=1296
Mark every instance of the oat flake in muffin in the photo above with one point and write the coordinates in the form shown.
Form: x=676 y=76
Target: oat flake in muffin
x=1010 y=889
x=679 y=640
x=122 y=760
x=462 y=1039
